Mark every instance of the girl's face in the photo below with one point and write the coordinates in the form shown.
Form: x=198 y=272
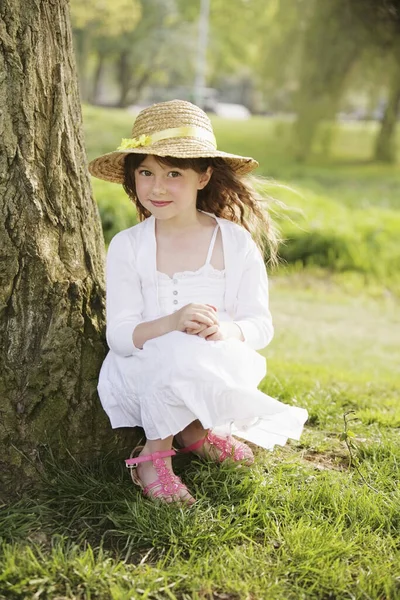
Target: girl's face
x=168 y=191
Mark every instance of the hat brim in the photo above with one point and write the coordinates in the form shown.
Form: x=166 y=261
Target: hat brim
x=110 y=166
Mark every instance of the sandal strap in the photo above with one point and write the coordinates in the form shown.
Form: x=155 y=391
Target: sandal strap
x=132 y=462
x=224 y=445
x=228 y=446
x=194 y=446
x=166 y=485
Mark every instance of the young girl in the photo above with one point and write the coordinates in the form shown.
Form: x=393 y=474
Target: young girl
x=187 y=302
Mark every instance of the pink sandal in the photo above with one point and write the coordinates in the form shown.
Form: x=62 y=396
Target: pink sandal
x=229 y=448
x=169 y=484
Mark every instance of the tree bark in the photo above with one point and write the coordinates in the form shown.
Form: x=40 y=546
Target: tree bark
x=51 y=243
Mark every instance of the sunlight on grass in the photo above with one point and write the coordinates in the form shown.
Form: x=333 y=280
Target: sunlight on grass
x=338 y=331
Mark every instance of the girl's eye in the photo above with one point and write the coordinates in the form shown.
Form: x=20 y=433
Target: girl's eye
x=174 y=174
x=145 y=172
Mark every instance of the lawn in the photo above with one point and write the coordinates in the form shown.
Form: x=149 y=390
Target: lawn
x=317 y=519
x=309 y=520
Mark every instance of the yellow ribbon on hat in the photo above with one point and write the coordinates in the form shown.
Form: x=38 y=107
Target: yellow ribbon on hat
x=165 y=134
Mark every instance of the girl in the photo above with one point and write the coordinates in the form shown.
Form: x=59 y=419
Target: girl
x=187 y=302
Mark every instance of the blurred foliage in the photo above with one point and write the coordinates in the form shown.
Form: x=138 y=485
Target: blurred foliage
x=339 y=238
x=116 y=212
x=325 y=67
x=337 y=34
x=147 y=55
x=309 y=57
x=105 y=17
x=97 y=27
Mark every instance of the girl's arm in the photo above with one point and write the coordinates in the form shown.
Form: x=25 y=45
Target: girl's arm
x=124 y=300
x=184 y=319
x=126 y=331
x=252 y=313
x=151 y=329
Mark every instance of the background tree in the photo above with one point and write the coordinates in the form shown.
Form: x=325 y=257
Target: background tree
x=51 y=306
x=97 y=25
x=133 y=49
x=381 y=19
x=337 y=36
x=159 y=51
x=385 y=145
x=309 y=57
x=332 y=42
x=278 y=30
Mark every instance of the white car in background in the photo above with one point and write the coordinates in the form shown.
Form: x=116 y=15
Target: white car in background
x=232 y=111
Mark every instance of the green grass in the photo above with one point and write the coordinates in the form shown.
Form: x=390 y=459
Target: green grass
x=340 y=330
x=317 y=519
x=307 y=521
x=292 y=527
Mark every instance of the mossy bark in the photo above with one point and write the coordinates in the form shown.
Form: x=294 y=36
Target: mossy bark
x=52 y=249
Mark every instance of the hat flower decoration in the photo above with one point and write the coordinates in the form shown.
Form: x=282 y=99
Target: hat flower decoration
x=126 y=143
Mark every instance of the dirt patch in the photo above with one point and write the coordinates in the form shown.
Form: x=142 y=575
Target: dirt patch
x=326 y=460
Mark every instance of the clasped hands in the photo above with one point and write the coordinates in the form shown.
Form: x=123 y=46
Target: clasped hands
x=199 y=319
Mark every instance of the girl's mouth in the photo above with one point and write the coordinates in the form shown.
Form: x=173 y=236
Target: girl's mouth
x=159 y=203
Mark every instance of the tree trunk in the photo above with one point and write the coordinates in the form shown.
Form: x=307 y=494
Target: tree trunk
x=332 y=43
x=385 y=146
x=138 y=86
x=52 y=292
x=124 y=79
x=98 y=74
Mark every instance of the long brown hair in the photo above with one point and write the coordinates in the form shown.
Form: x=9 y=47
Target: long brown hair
x=226 y=195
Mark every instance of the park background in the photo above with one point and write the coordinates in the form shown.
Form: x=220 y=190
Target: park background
x=311 y=89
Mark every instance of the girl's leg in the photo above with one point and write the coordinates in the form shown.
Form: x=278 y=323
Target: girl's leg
x=147 y=473
x=192 y=433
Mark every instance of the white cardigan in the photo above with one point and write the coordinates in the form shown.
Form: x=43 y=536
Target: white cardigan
x=132 y=293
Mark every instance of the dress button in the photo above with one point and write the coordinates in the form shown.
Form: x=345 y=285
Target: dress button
x=175 y=301
x=175 y=281
x=174 y=292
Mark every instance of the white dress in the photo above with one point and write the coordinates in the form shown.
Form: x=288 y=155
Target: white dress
x=178 y=378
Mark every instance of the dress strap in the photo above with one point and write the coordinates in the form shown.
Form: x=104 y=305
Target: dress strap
x=212 y=244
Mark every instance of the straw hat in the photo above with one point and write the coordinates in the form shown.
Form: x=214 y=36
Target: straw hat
x=176 y=128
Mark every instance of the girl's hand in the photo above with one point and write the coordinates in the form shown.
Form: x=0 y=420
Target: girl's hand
x=212 y=334
x=200 y=326
x=194 y=317
x=223 y=331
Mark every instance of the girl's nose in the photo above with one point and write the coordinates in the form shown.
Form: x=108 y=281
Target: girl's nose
x=159 y=186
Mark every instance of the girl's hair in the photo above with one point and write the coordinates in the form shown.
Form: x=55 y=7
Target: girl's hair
x=226 y=195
